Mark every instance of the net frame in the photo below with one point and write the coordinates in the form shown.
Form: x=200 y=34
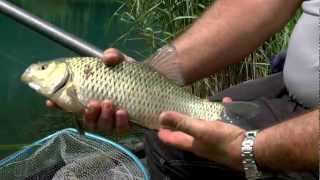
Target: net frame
x=89 y=136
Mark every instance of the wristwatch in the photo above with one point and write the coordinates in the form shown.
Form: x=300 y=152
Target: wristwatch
x=248 y=162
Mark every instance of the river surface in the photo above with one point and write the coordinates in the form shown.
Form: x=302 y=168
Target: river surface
x=23 y=115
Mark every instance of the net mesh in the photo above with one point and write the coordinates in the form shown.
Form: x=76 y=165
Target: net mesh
x=69 y=156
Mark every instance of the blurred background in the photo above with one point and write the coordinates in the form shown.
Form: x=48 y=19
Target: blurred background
x=23 y=115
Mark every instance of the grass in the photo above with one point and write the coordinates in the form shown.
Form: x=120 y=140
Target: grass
x=159 y=21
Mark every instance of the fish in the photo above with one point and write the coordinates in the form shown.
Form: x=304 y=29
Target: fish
x=137 y=87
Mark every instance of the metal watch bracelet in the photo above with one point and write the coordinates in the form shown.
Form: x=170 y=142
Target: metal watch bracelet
x=248 y=161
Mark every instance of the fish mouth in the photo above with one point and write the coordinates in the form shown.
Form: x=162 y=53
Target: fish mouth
x=48 y=90
x=25 y=77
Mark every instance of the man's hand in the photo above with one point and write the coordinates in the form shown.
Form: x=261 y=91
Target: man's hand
x=102 y=115
x=214 y=140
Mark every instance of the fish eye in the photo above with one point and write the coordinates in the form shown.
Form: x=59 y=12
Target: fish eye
x=43 y=67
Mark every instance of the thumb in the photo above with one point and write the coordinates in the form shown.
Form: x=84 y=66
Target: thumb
x=177 y=121
x=112 y=56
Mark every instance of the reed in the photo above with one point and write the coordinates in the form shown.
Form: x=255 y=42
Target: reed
x=159 y=21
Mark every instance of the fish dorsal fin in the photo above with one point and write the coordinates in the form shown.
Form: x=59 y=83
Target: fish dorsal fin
x=164 y=61
x=240 y=113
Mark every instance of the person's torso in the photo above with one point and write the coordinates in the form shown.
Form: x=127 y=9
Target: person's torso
x=301 y=70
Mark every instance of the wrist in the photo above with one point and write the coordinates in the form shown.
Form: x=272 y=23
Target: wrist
x=234 y=153
x=260 y=141
x=185 y=58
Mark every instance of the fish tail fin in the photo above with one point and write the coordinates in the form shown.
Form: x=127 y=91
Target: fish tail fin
x=240 y=113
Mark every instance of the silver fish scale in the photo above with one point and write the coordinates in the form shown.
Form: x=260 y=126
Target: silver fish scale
x=143 y=92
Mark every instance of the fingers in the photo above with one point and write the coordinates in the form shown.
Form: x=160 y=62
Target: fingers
x=106 y=119
x=226 y=100
x=50 y=103
x=176 y=138
x=112 y=56
x=181 y=122
x=122 y=121
x=91 y=114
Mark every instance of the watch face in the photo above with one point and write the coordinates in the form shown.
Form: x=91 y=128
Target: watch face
x=249 y=142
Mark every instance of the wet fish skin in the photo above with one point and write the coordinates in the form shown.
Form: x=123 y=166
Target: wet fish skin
x=136 y=87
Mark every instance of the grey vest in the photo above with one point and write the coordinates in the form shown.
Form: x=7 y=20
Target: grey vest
x=301 y=70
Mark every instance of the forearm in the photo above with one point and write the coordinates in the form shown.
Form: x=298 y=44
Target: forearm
x=291 y=145
x=227 y=32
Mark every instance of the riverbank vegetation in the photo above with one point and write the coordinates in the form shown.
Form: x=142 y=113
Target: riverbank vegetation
x=159 y=21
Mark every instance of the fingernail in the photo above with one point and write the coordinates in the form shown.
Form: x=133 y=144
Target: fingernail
x=170 y=119
x=165 y=117
x=107 y=104
x=89 y=109
x=48 y=103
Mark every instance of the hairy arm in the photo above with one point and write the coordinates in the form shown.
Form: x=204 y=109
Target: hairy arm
x=227 y=32
x=291 y=145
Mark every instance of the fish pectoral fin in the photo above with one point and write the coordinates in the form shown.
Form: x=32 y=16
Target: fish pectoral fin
x=240 y=112
x=73 y=99
x=164 y=61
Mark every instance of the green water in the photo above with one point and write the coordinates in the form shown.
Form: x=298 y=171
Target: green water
x=23 y=115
